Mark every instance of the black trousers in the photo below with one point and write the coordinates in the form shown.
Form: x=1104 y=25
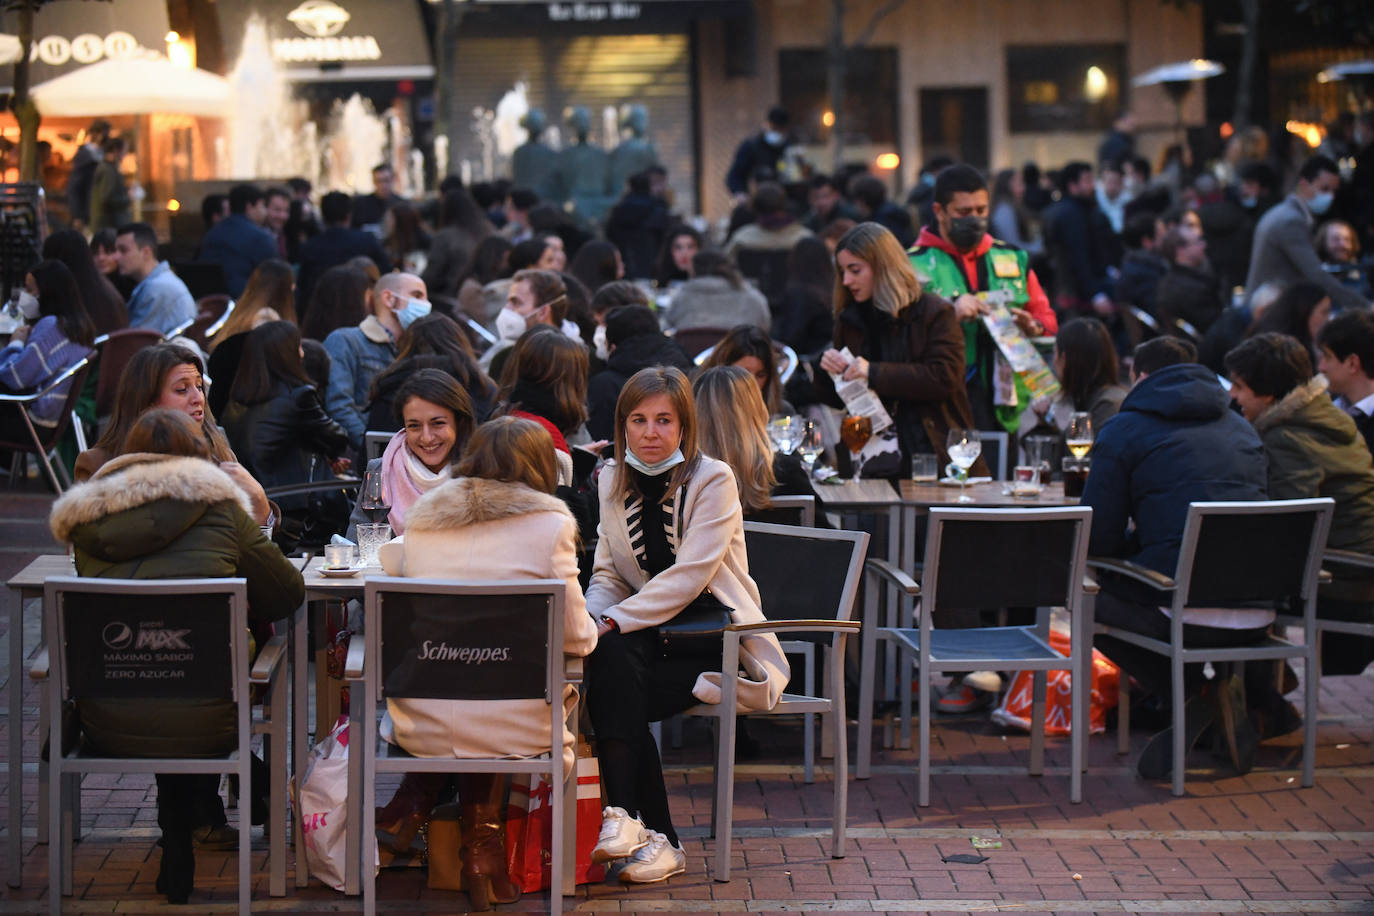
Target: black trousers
x=629 y=685
x=1149 y=668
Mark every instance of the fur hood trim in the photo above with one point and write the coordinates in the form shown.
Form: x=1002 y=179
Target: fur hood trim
x=137 y=479
x=1282 y=411
x=469 y=500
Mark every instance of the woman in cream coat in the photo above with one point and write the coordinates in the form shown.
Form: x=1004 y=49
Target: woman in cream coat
x=497 y=521
x=671 y=528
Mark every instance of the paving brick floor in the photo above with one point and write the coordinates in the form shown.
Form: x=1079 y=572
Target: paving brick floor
x=1253 y=844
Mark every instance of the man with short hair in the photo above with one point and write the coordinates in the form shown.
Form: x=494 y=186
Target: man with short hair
x=1080 y=243
x=774 y=227
x=368 y=209
x=764 y=149
x=1142 y=267
x=277 y=213
x=358 y=353
x=869 y=194
x=1189 y=290
x=1283 y=249
x=957 y=259
x=110 y=201
x=335 y=245
x=1347 y=359
x=213 y=208
x=827 y=203
x=1175 y=441
x=1112 y=196
x=82 y=173
x=238 y=243
x=160 y=300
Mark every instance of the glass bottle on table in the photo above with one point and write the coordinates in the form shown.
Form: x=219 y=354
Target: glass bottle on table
x=810 y=445
x=964 y=447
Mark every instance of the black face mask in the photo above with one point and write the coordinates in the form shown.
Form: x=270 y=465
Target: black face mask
x=965 y=232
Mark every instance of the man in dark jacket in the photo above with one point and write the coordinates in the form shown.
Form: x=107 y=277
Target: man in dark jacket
x=1190 y=290
x=238 y=243
x=636 y=226
x=635 y=341
x=80 y=178
x=1174 y=442
x=1142 y=267
x=763 y=150
x=1347 y=358
x=1080 y=243
x=335 y=245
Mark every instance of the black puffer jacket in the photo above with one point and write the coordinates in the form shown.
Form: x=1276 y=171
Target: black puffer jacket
x=279 y=439
x=628 y=358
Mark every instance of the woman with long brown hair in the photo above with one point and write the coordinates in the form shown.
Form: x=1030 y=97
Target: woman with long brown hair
x=545 y=380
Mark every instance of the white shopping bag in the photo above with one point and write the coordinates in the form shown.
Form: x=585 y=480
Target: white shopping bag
x=321 y=802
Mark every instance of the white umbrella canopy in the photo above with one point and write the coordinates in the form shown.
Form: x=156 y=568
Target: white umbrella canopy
x=1346 y=69
x=150 y=85
x=1180 y=71
x=9 y=49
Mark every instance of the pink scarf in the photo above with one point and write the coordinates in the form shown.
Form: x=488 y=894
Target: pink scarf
x=404 y=480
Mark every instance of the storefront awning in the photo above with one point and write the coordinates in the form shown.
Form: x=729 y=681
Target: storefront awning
x=70 y=34
x=568 y=16
x=334 y=40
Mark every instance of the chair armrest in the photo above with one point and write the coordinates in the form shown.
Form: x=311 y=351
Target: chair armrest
x=353 y=666
x=1134 y=571
x=795 y=626
x=887 y=571
x=39 y=670
x=1335 y=557
x=265 y=665
x=1090 y=586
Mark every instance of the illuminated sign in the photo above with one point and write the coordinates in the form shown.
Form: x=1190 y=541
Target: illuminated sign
x=322 y=21
x=86 y=48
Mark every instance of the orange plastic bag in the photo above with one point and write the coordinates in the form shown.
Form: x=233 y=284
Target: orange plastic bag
x=1015 y=709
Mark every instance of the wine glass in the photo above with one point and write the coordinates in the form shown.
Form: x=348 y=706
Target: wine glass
x=782 y=430
x=810 y=445
x=1079 y=436
x=964 y=447
x=855 y=431
x=372 y=496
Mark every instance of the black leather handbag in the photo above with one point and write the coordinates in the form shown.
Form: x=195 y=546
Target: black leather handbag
x=698 y=630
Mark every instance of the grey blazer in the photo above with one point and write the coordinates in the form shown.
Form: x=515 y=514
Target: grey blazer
x=1283 y=252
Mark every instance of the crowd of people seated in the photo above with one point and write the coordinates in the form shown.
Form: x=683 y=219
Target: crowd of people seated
x=539 y=402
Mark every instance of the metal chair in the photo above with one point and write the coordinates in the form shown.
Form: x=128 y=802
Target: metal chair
x=211 y=314
x=525 y=618
x=992 y=558
x=116 y=349
x=819 y=605
x=1341 y=564
x=697 y=342
x=995 y=448
x=375 y=443
x=788 y=510
x=187 y=638
x=1236 y=554
x=44 y=444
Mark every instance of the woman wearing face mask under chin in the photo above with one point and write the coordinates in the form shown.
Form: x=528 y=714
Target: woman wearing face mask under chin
x=535 y=297
x=57 y=335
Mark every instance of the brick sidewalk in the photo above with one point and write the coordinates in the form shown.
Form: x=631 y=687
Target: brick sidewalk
x=1249 y=844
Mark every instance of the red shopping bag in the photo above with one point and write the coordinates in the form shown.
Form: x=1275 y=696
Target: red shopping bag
x=529 y=829
x=1015 y=709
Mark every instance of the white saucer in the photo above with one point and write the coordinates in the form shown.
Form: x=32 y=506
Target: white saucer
x=341 y=573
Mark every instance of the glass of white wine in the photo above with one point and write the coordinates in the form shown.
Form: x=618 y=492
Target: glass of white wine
x=1079 y=436
x=810 y=445
x=964 y=447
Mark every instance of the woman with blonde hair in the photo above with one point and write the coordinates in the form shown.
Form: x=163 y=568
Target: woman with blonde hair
x=498 y=520
x=671 y=528
x=734 y=428
x=906 y=343
x=272 y=286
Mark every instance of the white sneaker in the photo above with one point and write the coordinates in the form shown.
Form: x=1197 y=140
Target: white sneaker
x=987 y=681
x=621 y=836
x=655 y=862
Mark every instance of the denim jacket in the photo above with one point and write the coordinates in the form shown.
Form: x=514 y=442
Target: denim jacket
x=357 y=355
x=161 y=302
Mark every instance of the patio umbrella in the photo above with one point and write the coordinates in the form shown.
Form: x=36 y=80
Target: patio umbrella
x=151 y=85
x=1177 y=78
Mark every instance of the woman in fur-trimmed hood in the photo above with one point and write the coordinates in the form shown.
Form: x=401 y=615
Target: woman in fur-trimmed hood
x=498 y=520
x=163 y=511
x=1313 y=449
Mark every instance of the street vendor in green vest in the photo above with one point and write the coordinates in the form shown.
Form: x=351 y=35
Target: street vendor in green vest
x=957 y=259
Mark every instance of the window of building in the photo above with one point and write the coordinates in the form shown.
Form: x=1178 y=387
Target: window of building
x=870 y=95
x=1064 y=87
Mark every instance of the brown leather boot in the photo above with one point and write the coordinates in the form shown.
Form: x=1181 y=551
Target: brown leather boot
x=408 y=811
x=484 y=847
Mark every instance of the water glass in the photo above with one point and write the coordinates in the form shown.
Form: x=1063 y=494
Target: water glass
x=1025 y=482
x=338 y=556
x=925 y=468
x=371 y=537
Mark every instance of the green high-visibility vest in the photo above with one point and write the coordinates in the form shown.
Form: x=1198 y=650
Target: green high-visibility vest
x=1003 y=268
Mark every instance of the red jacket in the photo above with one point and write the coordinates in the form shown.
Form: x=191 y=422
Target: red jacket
x=1038 y=304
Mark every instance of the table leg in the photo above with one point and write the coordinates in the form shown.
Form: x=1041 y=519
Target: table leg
x=14 y=824
x=300 y=722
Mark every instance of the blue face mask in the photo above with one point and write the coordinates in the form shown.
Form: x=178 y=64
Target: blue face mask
x=654 y=470
x=773 y=137
x=411 y=311
x=1248 y=202
x=1321 y=202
